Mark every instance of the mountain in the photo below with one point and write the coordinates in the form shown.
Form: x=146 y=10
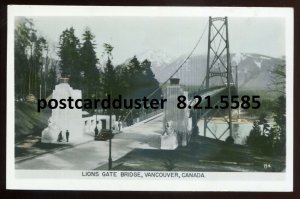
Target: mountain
x=192 y=72
x=159 y=59
x=253 y=69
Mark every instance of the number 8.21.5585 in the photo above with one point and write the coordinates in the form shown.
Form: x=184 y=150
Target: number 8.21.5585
x=245 y=102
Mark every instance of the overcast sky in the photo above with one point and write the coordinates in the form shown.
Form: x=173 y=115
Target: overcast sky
x=173 y=35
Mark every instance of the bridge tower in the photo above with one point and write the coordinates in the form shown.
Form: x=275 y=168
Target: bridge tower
x=218 y=63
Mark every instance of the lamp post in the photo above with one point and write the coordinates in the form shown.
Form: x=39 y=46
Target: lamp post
x=40 y=91
x=110 y=83
x=96 y=130
x=96 y=109
x=237 y=87
x=110 y=132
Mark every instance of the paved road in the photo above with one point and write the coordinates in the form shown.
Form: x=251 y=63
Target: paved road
x=95 y=154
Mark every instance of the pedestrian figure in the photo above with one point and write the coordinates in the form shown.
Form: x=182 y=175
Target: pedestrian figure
x=96 y=131
x=60 y=138
x=119 y=125
x=67 y=135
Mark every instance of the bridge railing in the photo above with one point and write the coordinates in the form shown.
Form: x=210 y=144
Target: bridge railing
x=147 y=116
x=142 y=117
x=203 y=90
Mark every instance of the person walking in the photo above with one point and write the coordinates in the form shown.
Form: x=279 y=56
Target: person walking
x=67 y=135
x=96 y=131
x=119 y=125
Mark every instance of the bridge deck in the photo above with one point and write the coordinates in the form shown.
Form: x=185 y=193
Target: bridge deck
x=211 y=93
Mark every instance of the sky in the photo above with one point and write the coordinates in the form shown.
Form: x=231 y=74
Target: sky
x=175 y=36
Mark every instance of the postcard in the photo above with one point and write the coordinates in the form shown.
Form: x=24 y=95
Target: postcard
x=150 y=98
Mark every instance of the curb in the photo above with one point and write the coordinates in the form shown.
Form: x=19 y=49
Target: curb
x=51 y=151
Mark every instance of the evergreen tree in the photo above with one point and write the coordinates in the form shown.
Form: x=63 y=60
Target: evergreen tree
x=69 y=55
x=29 y=56
x=254 y=137
x=31 y=64
x=109 y=80
x=280 y=119
x=38 y=63
x=22 y=43
x=278 y=77
x=51 y=77
x=258 y=141
x=109 y=77
x=134 y=78
x=150 y=82
x=89 y=62
x=122 y=84
x=141 y=79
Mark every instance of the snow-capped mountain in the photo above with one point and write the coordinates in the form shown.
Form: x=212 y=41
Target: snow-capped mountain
x=158 y=58
x=253 y=69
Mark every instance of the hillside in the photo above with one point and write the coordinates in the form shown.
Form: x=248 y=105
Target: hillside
x=28 y=120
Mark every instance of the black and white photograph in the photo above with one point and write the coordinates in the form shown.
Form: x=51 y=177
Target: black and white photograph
x=120 y=97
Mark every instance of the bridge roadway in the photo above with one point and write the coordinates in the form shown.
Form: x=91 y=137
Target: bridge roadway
x=94 y=154
x=211 y=93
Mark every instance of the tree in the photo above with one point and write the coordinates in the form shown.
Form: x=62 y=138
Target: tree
x=134 y=76
x=280 y=120
x=89 y=62
x=141 y=80
x=22 y=42
x=263 y=121
x=51 y=77
x=37 y=64
x=150 y=82
x=278 y=81
x=270 y=140
x=122 y=82
x=29 y=56
x=69 y=55
x=254 y=137
x=109 y=78
x=278 y=77
x=108 y=50
x=259 y=141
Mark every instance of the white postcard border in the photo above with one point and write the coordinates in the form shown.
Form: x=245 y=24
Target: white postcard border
x=152 y=185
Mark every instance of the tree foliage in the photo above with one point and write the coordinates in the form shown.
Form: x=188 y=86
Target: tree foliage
x=69 y=47
x=30 y=55
x=78 y=61
x=89 y=63
x=278 y=77
x=132 y=80
x=270 y=140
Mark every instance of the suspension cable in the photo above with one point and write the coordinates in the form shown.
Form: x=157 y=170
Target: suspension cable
x=179 y=67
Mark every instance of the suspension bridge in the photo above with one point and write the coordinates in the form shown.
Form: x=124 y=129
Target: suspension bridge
x=180 y=125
